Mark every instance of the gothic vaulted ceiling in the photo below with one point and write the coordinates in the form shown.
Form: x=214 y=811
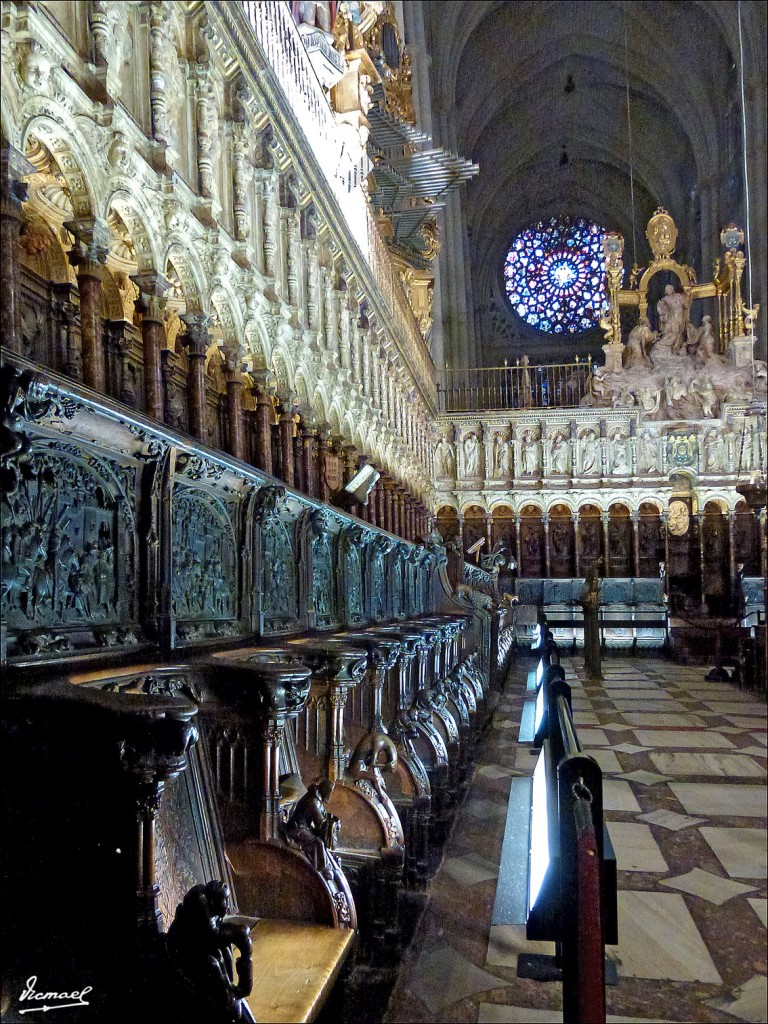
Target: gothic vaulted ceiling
x=537 y=93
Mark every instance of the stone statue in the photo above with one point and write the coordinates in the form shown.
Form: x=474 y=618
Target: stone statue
x=505 y=460
x=445 y=460
x=703 y=393
x=649 y=399
x=471 y=448
x=672 y=309
x=313 y=829
x=714 y=452
x=560 y=453
x=530 y=453
x=641 y=337
x=647 y=453
x=706 y=343
x=199 y=943
x=619 y=455
x=588 y=453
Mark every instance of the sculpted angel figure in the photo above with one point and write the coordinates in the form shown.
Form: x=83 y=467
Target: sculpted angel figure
x=641 y=337
x=714 y=451
x=619 y=455
x=647 y=453
x=505 y=459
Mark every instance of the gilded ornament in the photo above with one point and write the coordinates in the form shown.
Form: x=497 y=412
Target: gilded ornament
x=661 y=234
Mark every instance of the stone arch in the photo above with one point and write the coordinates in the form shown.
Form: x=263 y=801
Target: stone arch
x=188 y=272
x=532 y=552
x=562 y=538
x=320 y=402
x=228 y=314
x=589 y=534
x=42 y=250
x=282 y=368
x=334 y=419
x=257 y=349
x=136 y=215
x=56 y=132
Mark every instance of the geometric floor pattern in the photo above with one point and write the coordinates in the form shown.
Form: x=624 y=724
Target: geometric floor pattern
x=684 y=776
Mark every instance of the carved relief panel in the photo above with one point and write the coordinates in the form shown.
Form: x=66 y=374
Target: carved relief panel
x=352 y=545
x=277 y=575
x=322 y=543
x=204 y=581
x=69 y=552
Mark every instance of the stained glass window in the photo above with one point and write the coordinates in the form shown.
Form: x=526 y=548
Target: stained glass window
x=554 y=275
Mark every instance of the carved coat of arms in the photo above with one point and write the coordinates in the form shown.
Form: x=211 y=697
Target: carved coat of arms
x=682 y=448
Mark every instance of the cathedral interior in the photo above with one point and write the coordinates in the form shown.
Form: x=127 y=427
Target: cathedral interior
x=384 y=547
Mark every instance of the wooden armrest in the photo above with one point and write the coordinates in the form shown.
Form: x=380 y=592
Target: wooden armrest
x=294 y=968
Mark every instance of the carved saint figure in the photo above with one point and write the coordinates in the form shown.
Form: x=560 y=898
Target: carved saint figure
x=505 y=460
x=560 y=453
x=471 y=455
x=619 y=455
x=530 y=452
x=445 y=461
x=647 y=457
x=714 y=452
x=641 y=337
x=313 y=829
x=588 y=453
x=649 y=399
x=672 y=309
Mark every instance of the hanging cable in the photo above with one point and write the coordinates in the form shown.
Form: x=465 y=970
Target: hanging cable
x=629 y=134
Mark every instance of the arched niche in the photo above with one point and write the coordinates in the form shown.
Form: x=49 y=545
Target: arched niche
x=447 y=523
x=532 y=553
x=715 y=574
x=746 y=540
x=562 y=542
x=589 y=537
x=474 y=531
x=620 y=541
x=650 y=540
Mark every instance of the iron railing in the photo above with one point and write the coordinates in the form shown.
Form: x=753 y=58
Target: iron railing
x=552 y=386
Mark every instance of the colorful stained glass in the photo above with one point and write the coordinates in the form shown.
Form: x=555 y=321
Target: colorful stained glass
x=554 y=275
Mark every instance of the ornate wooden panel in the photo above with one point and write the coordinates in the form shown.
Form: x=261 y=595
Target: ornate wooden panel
x=277 y=573
x=69 y=562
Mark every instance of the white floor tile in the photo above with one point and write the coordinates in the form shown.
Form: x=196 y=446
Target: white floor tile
x=697 y=763
x=636 y=849
x=678 y=740
x=659 y=939
x=506 y=941
x=749 y=1002
x=651 y=718
x=618 y=796
x=760 y=907
x=606 y=759
x=720 y=799
x=741 y=851
x=670 y=819
x=707 y=886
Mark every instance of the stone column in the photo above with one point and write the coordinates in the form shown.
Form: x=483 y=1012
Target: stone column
x=196 y=340
x=732 y=556
x=287 y=468
x=350 y=456
x=665 y=528
x=635 y=517
x=413 y=529
x=698 y=524
x=308 y=457
x=151 y=307
x=325 y=451
x=761 y=519
x=13 y=191
x=488 y=533
x=576 y=545
x=88 y=256
x=235 y=412
x=398 y=524
x=263 y=453
x=605 y=518
x=547 y=552
x=381 y=504
x=389 y=517
x=518 y=547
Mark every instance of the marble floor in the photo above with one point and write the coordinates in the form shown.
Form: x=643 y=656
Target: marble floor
x=684 y=784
